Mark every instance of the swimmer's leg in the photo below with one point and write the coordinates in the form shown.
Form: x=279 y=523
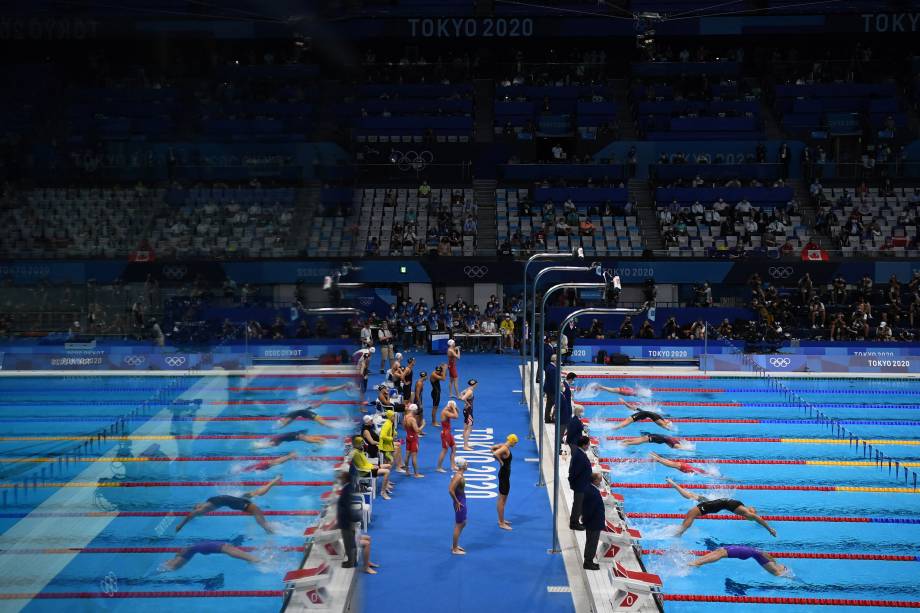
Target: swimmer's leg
x=713 y=556
x=239 y=554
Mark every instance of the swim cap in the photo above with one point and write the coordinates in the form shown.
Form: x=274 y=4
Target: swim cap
x=450 y=343
x=368 y=419
x=398 y=356
x=461 y=462
x=412 y=408
x=472 y=382
x=422 y=374
x=381 y=386
x=390 y=413
x=512 y=438
x=373 y=349
x=357 y=441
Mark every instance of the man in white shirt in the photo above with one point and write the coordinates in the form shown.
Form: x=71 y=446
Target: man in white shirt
x=367 y=340
x=697 y=209
x=750 y=227
x=743 y=207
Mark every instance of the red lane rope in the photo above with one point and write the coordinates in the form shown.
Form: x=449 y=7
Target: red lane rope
x=305 y=376
x=166 y=594
x=705 y=461
x=834 y=602
x=809 y=518
x=697 y=421
x=664 y=403
x=272 y=418
x=224 y=403
x=267 y=388
x=715 y=439
x=232 y=458
x=214 y=483
x=645 y=377
x=691 y=390
x=191 y=437
x=806 y=555
x=123 y=550
x=733 y=486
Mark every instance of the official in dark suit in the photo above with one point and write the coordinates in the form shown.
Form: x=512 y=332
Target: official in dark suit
x=579 y=480
x=575 y=429
x=592 y=515
x=550 y=383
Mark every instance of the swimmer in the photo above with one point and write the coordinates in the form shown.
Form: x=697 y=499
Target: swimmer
x=453 y=354
x=740 y=552
x=502 y=455
x=411 y=425
x=271 y=463
x=319 y=390
x=242 y=503
x=307 y=412
x=362 y=464
x=467 y=397
x=206 y=548
x=642 y=416
x=657 y=439
x=683 y=467
x=622 y=391
x=457 y=492
x=705 y=506
x=436 y=377
x=447 y=436
x=289 y=437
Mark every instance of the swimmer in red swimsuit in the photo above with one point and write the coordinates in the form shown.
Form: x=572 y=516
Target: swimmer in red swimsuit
x=410 y=423
x=453 y=354
x=447 y=436
x=622 y=391
x=269 y=463
x=681 y=466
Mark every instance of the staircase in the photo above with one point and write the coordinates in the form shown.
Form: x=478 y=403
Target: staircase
x=771 y=126
x=640 y=193
x=306 y=206
x=484 y=92
x=626 y=127
x=809 y=212
x=484 y=199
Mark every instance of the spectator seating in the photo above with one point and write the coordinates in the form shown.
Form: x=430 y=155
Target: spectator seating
x=666 y=173
x=406 y=112
x=77 y=222
x=569 y=172
x=840 y=106
x=376 y=219
x=893 y=216
x=552 y=110
x=613 y=235
x=219 y=222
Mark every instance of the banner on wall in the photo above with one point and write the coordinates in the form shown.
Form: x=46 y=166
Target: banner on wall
x=781 y=363
x=101 y=359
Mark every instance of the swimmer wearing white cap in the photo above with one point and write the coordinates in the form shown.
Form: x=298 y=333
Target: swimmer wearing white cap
x=453 y=354
x=457 y=490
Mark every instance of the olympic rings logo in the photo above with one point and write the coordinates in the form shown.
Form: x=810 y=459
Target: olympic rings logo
x=475 y=272
x=134 y=360
x=174 y=360
x=781 y=272
x=780 y=362
x=411 y=160
x=109 y=584
x=174 y=272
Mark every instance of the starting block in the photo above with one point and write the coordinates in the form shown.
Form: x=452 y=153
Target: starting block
x=634 y=589
x=616 y=540
x=309 y=586
x=330 y=544
x=612 y=500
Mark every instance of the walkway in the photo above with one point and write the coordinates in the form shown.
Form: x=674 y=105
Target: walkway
x=411 y=533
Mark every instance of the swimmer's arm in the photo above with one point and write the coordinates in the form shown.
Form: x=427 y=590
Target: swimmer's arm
x=313 y=438
x=762 y=522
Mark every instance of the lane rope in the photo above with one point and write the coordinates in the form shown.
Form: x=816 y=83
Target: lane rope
x=834 y=602
x=798 y=518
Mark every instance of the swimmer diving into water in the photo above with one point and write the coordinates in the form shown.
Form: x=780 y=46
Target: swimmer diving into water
x=685 y=467
x=705 y=506
x=657 y=439
x=242 y=503
x=306 y=412
x=643 y=415
x=739 y=552
x=206 y=548
x=288 y=437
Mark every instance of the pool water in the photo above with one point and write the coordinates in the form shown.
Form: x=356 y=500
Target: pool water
x=793 y=468
x=85 y=526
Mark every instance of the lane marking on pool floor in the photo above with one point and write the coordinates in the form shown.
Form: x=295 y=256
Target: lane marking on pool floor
x=809 y=555
x=242 y=458
x=741 y=439
x=768 y=488
x=793 y=518
x=41 y=570
x=128 y=484
x=865 y=463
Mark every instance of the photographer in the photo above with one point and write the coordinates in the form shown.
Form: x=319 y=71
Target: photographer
x=649 y=292
x=703 y=295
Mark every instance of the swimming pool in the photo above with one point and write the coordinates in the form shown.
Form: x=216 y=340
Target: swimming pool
x=847 y=528
x=98 y=471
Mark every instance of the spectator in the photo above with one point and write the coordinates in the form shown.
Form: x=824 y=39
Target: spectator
x=626 y=328
x=424 y=190
x=647 y=331
x=507 y=332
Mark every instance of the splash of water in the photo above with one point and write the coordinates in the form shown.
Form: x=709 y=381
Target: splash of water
x=588 y=392
x=657 y=531
x=631 y=467
x=643 y=392
x=305 y=390
x=281 y=529
x=687 y=446
x=673 y=562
